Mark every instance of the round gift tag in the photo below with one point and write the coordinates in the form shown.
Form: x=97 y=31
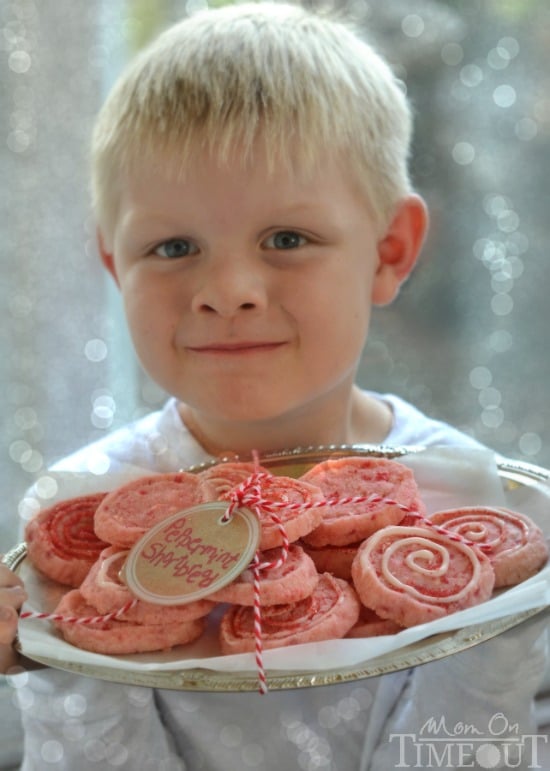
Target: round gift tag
x=191 y=554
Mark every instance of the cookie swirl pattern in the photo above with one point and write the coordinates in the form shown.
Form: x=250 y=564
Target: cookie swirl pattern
x=412 y=575
x=513 y=543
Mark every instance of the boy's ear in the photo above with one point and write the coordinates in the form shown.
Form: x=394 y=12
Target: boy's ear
x=106 y=255
x=399 y=248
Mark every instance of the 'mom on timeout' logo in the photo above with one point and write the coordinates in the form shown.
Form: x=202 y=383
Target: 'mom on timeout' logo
x=498 y=745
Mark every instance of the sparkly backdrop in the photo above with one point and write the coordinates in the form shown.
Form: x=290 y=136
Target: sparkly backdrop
x=466 y=340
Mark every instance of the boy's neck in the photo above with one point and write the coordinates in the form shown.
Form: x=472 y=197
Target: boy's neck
x=364 y=420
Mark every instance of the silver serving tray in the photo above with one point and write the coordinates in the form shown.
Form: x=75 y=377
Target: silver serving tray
x=516 y=478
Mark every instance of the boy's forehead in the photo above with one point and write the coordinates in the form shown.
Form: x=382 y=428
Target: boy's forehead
x=160 y=182
x=291 y=162
x=179 y=160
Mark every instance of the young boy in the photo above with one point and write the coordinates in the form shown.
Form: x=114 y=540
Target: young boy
x=253 y=203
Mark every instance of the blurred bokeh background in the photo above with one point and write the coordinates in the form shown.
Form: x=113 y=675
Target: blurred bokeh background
x=467 y=340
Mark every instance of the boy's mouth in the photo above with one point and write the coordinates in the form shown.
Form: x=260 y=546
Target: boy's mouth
x=242 y=347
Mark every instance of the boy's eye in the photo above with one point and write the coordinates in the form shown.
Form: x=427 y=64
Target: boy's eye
x=285 y=239
x=176 y=247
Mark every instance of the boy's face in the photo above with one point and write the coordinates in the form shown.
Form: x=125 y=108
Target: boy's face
x=247 y=295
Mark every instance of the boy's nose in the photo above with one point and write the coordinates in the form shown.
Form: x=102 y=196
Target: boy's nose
x=228 y=290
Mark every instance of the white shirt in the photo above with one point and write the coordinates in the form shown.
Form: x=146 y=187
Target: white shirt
x=86 y=724
x=160 y=441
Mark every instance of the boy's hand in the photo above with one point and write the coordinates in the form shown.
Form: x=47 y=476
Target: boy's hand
x=12 y=596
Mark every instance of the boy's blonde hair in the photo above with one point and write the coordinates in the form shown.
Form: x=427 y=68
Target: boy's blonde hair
x=220 y=80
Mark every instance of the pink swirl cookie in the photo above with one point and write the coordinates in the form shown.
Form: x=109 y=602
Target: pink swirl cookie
x=104 y=590
x=336 y=560
x=329 y=612
x=129 y=511
x=413 y=575
x=292 y=581
x=370 y=624
x=299 y=518
x=217 y=481
x=515 y=546
x=355 y=476
x=61 y=541
x=120 y=637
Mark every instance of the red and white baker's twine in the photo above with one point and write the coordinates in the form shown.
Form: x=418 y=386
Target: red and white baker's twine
x=85 y=620
x=249 y=495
